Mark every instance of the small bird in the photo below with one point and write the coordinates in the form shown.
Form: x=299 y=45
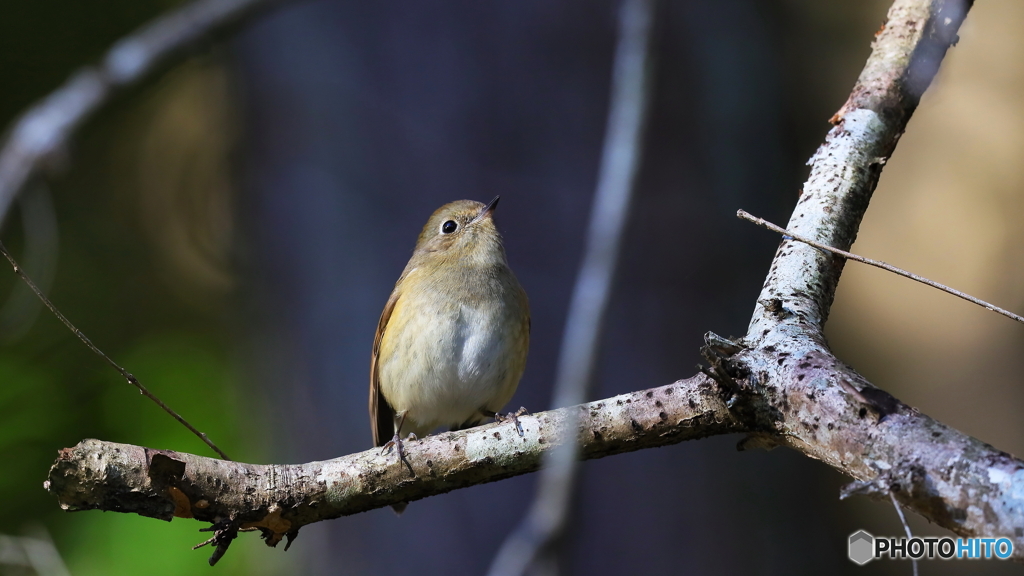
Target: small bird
x=451 y=343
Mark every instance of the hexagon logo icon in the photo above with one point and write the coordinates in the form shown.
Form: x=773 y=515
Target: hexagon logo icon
x=861 y=547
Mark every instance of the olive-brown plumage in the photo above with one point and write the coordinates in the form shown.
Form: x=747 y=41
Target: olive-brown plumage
x=452 y=341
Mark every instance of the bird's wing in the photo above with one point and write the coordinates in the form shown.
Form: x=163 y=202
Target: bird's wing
x=382 y=416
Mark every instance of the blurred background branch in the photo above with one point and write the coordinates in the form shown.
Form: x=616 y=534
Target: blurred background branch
x=40 y=138
x=39 y=222
x=537 y=538
x=34 y=554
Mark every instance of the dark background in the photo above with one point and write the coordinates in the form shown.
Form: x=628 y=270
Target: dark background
x=231 y=230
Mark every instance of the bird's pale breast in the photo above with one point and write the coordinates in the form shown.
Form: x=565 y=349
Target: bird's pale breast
x=445 y=355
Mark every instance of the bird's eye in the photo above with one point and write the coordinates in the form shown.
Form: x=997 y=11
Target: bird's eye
x=449 y=227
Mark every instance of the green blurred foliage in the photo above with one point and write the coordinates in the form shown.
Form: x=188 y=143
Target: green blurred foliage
x=32 y=412
x=107 y=543
x=183 y=372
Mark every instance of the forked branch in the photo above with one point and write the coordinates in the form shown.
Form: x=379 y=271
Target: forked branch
x=780 y=384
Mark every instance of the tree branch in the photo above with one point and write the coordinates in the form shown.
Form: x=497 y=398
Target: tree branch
x=780 y=384
x=826 y=409
x=845 y=169
x=280 y=499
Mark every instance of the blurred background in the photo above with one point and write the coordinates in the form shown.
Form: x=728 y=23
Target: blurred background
x=230 y=231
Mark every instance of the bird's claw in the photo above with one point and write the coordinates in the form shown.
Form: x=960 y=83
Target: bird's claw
x=513 y=416
x=399 y=447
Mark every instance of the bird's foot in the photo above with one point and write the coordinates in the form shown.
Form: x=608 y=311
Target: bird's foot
x=513 y=416
x=396 y=442
x=399 y=447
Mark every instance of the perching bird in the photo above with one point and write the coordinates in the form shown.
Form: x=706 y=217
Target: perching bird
x=451 y=343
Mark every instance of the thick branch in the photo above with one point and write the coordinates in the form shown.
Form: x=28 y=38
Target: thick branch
x=829 y=412
x=826 y=410
x=844 y=171
x=283 y=498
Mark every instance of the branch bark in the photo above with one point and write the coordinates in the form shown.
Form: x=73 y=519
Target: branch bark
x=780 y=384
x=946 y=476
x=280 y=499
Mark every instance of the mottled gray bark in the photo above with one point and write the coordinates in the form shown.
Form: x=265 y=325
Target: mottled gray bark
x=825 y=409
x=280 y=499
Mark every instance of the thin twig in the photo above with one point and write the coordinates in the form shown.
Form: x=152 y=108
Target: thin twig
x=534 y=540
x=905 y=525
x=85 y=339
x=742 y=214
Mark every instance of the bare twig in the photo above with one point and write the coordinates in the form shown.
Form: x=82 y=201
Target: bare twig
x=906 y=527
x=42 y=134
x=742 y=214
x=545 y=521
x=85 y=339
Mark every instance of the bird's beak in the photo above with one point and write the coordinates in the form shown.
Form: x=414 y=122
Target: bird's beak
x=486 y=211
